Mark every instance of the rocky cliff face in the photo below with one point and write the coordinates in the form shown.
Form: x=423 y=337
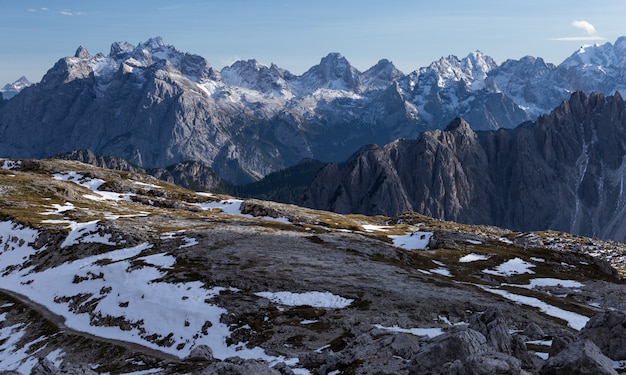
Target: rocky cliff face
x=563 y=172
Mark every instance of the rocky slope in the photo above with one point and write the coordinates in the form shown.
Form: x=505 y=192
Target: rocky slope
x=107 y=271
x=156 y=106
x=564 y=172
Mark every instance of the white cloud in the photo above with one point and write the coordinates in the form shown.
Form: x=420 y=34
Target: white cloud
x=586 y=26
x=67 y=12
x=579 y=39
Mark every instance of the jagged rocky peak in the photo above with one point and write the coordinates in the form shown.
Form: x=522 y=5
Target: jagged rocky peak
x=82 y=53
x=120 y=49
x=458 y=125
x=333 y=72
x=11 y=89
x=381 y=75
x=253 y=75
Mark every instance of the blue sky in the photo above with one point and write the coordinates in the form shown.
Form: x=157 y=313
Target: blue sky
x=295 y=35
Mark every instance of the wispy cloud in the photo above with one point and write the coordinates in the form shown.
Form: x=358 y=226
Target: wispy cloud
x=67 y=12
x=63 y=12
x=589 y=30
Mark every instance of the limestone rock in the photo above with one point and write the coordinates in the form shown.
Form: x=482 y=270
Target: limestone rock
x=200 y=353
x=485 y=364
x=608 y=332
x=456 y=344
x=560 y=340
x=239 y=366
x=580 y=357
x=533 y=331
x=493 y=326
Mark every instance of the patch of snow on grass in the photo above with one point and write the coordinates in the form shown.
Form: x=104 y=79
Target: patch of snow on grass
x=58 y=209
x=153 y=186
x=14 y=355
x=515 y=266
x=15 y=241
x=573 y=319
x=474 y=242
x=314 y=299
x=86 y=233
x=535 y=259
x=413 y=241
x=547 y=281
x=473 y=258
x=441 y=271
x=8 y=165
x=92 y=184
x=430 y=332
x=372 y=228
x=233 y=207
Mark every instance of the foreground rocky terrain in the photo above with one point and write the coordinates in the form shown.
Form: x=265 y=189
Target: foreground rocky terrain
x=116 y=272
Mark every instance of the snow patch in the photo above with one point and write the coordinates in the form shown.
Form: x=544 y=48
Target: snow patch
x=8 y=165
x=429 y=332
x=413 y=241
x=573 y=319
x=314 y=299
x=473 y=258
x=515 y=266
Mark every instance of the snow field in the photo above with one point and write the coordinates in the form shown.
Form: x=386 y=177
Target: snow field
x=180 y=315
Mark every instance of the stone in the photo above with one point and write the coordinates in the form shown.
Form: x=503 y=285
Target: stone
x=533 y=331
x=493 y=326
x=560 y=340
x=579 y=358
x=484 y=364
x=456 y=344
x=608 y=332
x=239 y=366
x=200 y=353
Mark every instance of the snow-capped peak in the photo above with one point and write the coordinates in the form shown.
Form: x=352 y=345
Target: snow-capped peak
x=11 y=89
x=253 y=75
x=334 y=72
x=381 y=75
x=472 y=69
x=603 y=55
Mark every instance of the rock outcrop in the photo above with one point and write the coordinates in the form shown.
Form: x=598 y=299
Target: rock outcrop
x=563 y=172
x=580 y=358
x=608 y=332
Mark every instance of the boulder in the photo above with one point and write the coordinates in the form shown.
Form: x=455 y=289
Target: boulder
x=560 y=340
x=239 y=366
x=200 y=353
x=579 y=358
x=608 y=332
x=457 y=344
x=484 y=364
x=533 y=331
x=493 y=326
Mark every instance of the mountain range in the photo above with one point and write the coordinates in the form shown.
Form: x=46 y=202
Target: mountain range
x=564 y=172
x=155 y=105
